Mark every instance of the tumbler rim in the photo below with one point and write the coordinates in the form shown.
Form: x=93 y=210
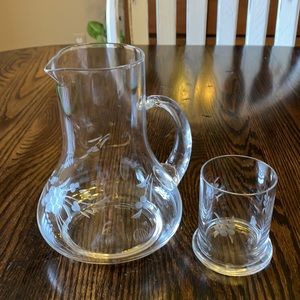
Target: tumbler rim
x=234 y=193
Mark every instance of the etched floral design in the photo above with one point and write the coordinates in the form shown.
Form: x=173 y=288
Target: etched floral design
x=97 y=144
x=213 y=190
x=253 y=221
x=69 y=161
x=224 y=227
x=126 y=165
x=140 y=205
x=56 y=195
x=59 y=202
x=147 y=185
x=267 y=203
x=144 y=182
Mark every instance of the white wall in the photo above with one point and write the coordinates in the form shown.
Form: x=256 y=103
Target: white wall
x=27 y=23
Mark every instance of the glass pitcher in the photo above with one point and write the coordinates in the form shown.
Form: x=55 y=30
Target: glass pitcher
x=109 y=200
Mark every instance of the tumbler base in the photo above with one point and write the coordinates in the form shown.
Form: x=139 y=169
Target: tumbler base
x=230 y=269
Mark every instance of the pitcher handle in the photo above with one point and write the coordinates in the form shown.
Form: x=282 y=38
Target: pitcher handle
x=179 y=158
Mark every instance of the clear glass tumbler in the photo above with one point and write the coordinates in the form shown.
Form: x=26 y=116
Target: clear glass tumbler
x=237 y=196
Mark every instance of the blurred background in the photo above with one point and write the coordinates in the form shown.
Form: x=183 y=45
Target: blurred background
x=28 y=23
x=53 y=22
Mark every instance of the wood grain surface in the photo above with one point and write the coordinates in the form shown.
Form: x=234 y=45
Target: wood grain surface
x=238 y=100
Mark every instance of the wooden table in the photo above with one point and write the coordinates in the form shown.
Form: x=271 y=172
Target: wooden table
x=238 y=100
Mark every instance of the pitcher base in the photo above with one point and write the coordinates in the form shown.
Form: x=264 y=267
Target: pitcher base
x=112 y=233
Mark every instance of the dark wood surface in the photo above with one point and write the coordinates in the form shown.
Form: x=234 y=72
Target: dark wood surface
x=237 y=100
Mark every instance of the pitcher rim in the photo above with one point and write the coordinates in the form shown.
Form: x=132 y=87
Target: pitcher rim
x=140 y=59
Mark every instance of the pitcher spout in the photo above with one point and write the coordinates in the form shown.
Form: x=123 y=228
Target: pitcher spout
x=53 y=69
x=50 y=70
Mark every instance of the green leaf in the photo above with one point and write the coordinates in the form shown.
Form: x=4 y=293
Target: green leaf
x=122 y=36
x=96 y=29
x=101 y=39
